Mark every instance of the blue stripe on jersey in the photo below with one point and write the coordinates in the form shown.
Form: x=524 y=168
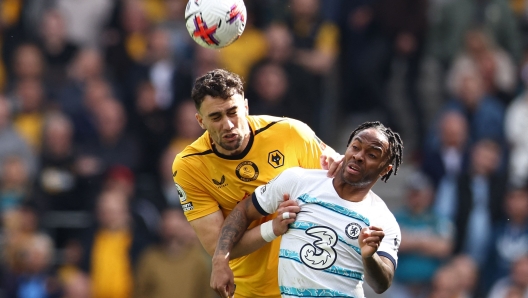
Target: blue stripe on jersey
x=296 y=292
x=333 y=207
x=294 y=256
x=304 y=225
x=290 y=254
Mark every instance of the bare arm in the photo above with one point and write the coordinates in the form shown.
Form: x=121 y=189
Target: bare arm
x=208 y=229
x=235 y=225
x=379 y=271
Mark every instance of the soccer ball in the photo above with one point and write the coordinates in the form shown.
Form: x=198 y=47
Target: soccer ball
x=215 y=23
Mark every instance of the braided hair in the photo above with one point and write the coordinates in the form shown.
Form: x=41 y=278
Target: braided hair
x=395 y=145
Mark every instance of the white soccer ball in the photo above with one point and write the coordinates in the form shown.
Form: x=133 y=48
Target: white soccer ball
x=215 y=23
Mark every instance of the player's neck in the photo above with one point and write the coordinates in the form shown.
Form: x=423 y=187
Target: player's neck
x=349 y=192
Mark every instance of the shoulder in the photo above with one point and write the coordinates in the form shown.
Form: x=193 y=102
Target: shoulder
x=298 y=172
x=196 y=150
x=381 y=207
x=261 y=123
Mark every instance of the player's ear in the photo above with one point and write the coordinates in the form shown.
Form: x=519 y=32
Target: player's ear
x=200 y=120
x=386 y=170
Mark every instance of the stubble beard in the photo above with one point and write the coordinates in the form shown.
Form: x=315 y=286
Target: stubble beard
x=232 y=147
x=363 y=183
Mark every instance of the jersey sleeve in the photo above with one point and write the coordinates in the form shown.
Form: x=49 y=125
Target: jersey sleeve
x=268 y=197
x=391 y=242
x=195 y=200
x=308 y=146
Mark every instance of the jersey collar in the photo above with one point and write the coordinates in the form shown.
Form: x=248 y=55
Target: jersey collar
x=241 y=154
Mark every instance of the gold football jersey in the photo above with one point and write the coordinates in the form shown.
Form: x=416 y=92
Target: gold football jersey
x=208 y=181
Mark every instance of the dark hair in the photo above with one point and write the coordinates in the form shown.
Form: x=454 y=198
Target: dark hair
x=216 y=83
x=395 y=145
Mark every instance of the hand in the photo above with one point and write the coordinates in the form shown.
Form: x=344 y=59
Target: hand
x=280 y=224
x=369 y=240
x=222 y=278
x=331 y=163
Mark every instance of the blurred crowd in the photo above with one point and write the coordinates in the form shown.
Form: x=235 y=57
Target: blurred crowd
x=94 y=105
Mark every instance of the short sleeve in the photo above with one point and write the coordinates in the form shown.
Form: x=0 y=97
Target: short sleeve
x=308 y=146
x=392 y=240
x=268 y=197
x=195 y=201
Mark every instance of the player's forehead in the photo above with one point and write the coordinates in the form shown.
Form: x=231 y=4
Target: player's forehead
x=372 y=136
x=212 y=104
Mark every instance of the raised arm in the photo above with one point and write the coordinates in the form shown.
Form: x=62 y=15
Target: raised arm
x=235 y=230
x=379 y=270
x=208 y=230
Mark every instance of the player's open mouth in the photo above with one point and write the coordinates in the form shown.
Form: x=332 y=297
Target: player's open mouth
x=353 y=169
x=230 y=136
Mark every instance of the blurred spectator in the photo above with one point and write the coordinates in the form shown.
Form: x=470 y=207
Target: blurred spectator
x=180 y=41
x=128 y=44
x=178 y=257
x=478 y=202
x=85 y=20
x=516 y=281
x=446 y=284
x=452 y=19
x=511 y=236
x=172 y=79
x=279 y=54
x=316 y=48
x=57 y=49
x=19 y=225
x=35 y=279
x=69 y=264
x=152 y=126
x=77 y=286
x=112 y=247
x=29 y=113
x=427 y=240
x=363 y=58
x=95 y=93
x=57 y=183
x=468 y=272
x=143 y=210
x=484 y=113
x=449 y=158
x=241 y=55
x=186 y=128
x=272 y=94
x=204 y=60
x=162 y=67
x=28 y=63
x=113 y=145
x=15 y=183
x=456 y=279
x=516 y=125
x=86 y=66
x=316 y=41
x=495 y=65
x=403 y=24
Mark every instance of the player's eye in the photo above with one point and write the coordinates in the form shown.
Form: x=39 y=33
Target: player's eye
x=372 y=156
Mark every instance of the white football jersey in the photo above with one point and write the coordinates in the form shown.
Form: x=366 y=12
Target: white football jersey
x=320 y=255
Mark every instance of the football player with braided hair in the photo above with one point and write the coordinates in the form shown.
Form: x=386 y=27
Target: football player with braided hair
x=340 y=235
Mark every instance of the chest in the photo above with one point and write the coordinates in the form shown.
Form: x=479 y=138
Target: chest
x=230 y=181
